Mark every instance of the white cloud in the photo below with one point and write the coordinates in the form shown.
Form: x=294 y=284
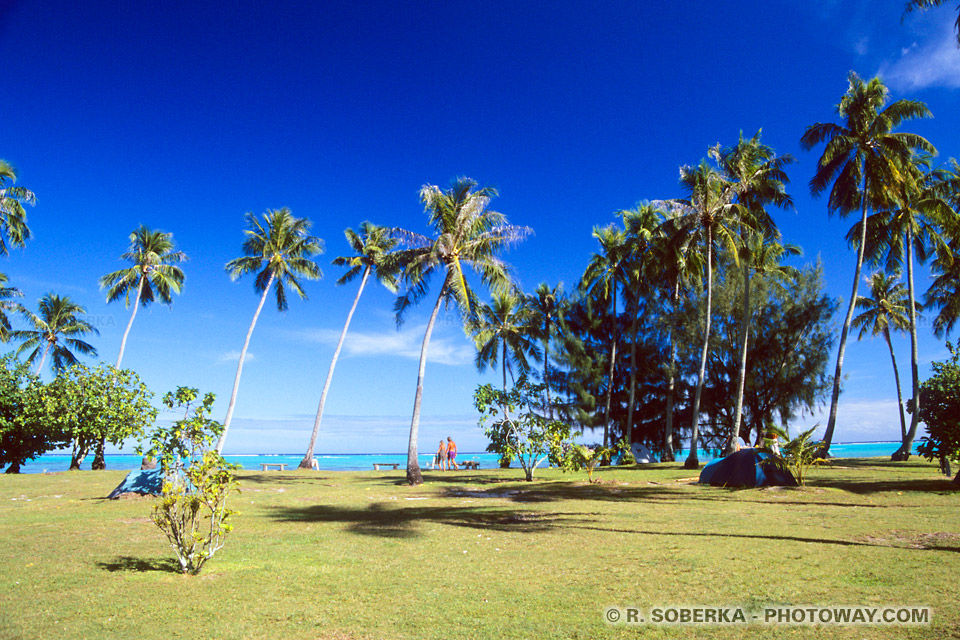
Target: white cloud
x=858 y=420
x=932 y=63
x=405 y=343
x=234 y=356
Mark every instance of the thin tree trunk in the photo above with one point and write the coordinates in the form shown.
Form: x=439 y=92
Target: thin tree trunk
x=613 y=362
x=903 y=453
x=835 y=398
x=742 y=377
x=243 y=355
x=43 y=357
x=79 y=453
x=633 y=371
x=307 y=462
x=896 y=377
x=414 y=477
x=668 y=455
x=546 y=381
x=136 y=305
x=692 y=462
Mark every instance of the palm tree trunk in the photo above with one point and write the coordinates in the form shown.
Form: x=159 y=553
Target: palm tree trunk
x=307 y=462
x=896 y=377
x=546 y=381
x=742 y=377
x=835 y=398
x=43 y=357
x=668 y=455
x=136 y=305
x=633 y=370
x=243 y=355
x=903 y=453
x=692 y=462
x=414 y=476
x=613 y=362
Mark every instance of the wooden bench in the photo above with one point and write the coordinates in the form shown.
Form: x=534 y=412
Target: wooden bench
x=281 y=466
x=377 y=465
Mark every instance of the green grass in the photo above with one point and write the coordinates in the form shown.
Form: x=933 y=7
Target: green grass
x=482 y=555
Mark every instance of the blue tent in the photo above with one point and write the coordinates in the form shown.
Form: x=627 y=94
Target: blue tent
x=746 y=468
x=148 y=482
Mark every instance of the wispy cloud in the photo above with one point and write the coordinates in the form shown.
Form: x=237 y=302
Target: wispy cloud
x=234 y=356
x=404 y=343
x=858 y=420
x=931 y=63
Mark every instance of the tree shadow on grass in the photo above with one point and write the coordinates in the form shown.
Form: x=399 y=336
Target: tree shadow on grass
x=140 y=565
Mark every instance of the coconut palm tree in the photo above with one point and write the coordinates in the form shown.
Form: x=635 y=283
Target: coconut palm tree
x=886 y=308
x=7 y=304
x=13 y=217
x=606 y=272
x=862 y=159
x=279 y=249
x=547 y=306
x=372 y=254
x=466 y=234
x=153 y=276
x=704 y=219
x=501 y=331
x=923 y=5
x=57 y=330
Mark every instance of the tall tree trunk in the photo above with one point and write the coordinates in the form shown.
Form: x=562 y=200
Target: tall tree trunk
x=136 y=305
x=414 y=477
x=692 y=462
x=99 y=462
x=668 y=455
x=896 y=377
x=903 y=453
x=43 y=358
x=742 y=377
x=307 y=462
x=79 y=453
x=838 y=373
x=243 y=355
x=613 y=362
x=633 y=370
x=546 y=381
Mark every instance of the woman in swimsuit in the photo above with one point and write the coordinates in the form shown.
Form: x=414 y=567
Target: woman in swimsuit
x=452 y=453
x=441 y=460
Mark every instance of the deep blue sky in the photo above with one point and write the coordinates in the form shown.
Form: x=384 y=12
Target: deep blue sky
x=183 y=116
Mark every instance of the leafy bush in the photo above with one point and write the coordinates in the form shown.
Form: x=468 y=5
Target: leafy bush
x=25 y=433
x=796 y=455
x=192 y=509
x=940 y=412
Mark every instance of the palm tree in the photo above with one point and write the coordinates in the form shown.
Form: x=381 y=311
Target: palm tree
x=56 y=333
x=885 y=309
x=372 y=248
x=704 y=219
x=466 y=234
x=280 y=251
x=13 y=217
x=6 y=304
x=862 y=157
x=154 y=275
x=502 y=332
x=603 y=277
x=923 y=5
x=547 y=306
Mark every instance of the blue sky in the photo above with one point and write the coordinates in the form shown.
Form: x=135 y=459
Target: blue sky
x=184 y=116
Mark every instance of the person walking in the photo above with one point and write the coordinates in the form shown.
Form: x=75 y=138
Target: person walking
x=452 y=454
x=441 y=459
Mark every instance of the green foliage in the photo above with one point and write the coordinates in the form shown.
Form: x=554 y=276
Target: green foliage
x=520 y=432
x=940 y=411
x=578 y=457
x=192 y=509
x=627 y=457
x=100 y=404
x=798 y=454
x=24 y=434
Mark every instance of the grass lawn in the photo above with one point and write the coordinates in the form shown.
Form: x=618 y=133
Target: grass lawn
x=483 y=555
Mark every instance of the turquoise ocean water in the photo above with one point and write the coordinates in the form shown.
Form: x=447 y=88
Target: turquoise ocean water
x=364 y=461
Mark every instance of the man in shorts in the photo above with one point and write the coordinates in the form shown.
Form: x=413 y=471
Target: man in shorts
x=452 y=453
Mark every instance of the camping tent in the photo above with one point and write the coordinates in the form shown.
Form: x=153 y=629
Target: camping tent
x=641 y=453
x=746 y=468
x=148 y=482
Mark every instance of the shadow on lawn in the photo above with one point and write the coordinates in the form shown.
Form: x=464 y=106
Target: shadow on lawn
x=140 y=565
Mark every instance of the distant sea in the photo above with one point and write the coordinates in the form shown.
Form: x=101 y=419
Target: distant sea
x=364 y=461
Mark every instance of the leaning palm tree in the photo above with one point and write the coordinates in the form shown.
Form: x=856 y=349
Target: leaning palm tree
x=885 y=309
x=547 y=306
x=56 y=332
x=7 y=304
x=13 y=217
x=929 y=4
x=153 y=276
x=501 y=332
x=280 y=251
x=372 y=254
x=466 y=234
x=606 y=272
x=862 y=158
x=705 y=218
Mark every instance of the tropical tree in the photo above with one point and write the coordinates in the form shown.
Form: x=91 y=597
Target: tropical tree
x=56 y=332
x=466 y=234
x=153 y=276
x=279 y=250
x=923 y=5
x=863 y=159
x=502 y=333
x=603 y=277
x=13 y=217
x=703 y=219
x=547 y=306
x=372 y=254
x=7 y=304
x=886 y=308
